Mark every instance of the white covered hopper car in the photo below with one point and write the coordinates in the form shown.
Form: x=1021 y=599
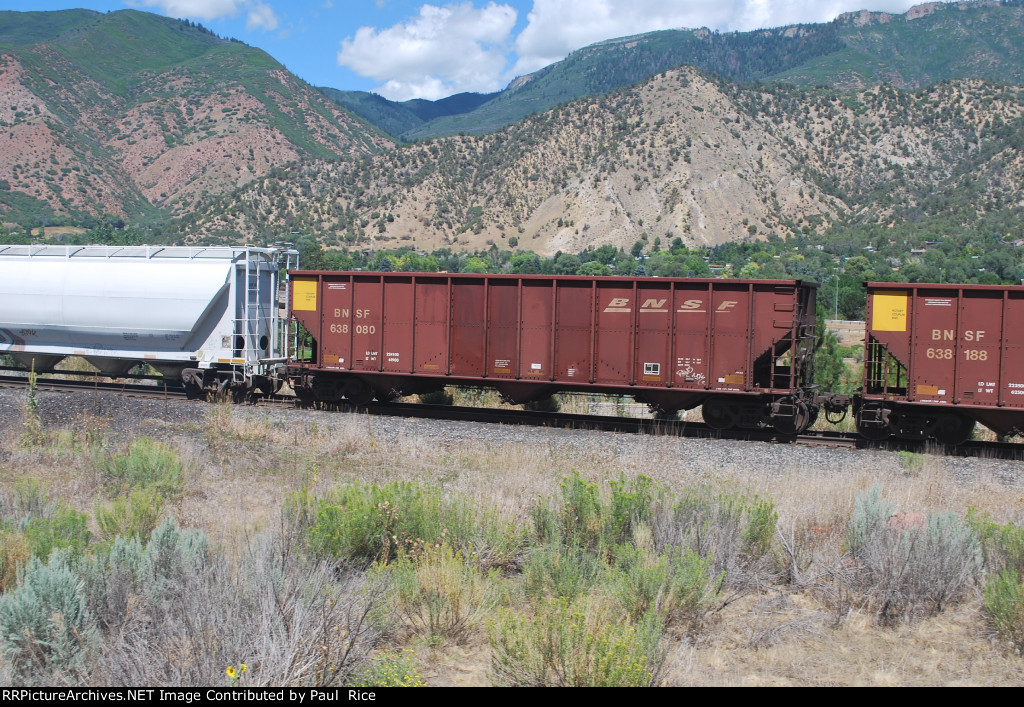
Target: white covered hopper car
x=209 y=317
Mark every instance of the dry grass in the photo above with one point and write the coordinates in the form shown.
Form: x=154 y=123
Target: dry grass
x=797 y=633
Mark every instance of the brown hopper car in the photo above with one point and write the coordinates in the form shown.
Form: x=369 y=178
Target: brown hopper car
x=742 y=349
x=939 y=358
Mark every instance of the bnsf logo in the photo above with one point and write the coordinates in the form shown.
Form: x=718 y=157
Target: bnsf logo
x=621 y=304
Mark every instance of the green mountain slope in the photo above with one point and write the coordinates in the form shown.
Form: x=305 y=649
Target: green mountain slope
x=931 y=43
x=140 y=115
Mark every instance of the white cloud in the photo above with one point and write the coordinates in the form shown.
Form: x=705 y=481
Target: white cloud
x=444 y=50
x=259 y=15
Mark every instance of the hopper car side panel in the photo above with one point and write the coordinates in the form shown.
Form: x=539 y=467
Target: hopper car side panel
x=670 y=342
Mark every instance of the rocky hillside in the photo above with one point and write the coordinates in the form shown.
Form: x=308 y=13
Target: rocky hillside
x=682 y=155
x=132 y=114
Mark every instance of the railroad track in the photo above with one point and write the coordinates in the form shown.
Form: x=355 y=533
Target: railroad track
x=676 y=428
x=140 y=390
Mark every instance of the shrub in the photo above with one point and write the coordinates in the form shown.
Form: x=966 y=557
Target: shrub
x=46 y=631
x=14 y=553
x=732 y=531
x=29 y=500
x=630 y=507
x=32 y=526
x=65 y=530
x=871 y=512
x=911 y=462
x=1004 y=603
x=440 y=595
x=580 y=515
x=379 y=523
x=390 y=669
x=906 y=567
x=582 y=519
x=136 y=516
x=555 y=570
x=580 y=643
x=190 y=611
x=1003 y=545
x=147 y=464
x=681 y=586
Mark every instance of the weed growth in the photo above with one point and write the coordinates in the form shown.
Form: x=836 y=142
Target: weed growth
x=371 y=523
x=581 y=643
x=440 y=595
x=147 y=465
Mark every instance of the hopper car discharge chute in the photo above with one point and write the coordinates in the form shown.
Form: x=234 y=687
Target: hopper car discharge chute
x=208 y=318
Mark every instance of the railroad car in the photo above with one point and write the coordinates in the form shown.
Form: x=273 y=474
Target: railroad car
x=208 y=317
x=741 y=349
x=939 y=358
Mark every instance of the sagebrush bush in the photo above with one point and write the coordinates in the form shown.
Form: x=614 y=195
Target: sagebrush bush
x=47 y=633
x=907 y=567
x=174 y=611
x=582 y=643
x=871 y=513
x=735 y=532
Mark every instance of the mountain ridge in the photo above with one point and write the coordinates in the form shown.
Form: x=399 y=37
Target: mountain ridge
x=846 y=52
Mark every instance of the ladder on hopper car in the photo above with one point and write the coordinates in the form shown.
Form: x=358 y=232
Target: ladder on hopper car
x=262 y=306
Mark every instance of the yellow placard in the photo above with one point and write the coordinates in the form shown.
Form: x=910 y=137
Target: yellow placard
x=734 y=379
x=889 y=310
x=304 y=292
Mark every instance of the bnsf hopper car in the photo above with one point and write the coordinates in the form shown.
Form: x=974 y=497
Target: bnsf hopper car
x=939 y=358
x=742 y=349
x=207 y=316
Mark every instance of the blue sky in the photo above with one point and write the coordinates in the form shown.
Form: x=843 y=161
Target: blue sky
x=404 y=49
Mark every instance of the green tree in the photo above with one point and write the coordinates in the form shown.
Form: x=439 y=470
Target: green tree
x=474 y=264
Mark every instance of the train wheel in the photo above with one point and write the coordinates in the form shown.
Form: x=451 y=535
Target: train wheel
x=796 y=423
x=873 y=433
x=719 y=414
x=358 y=393
x=305 y=396
x=955 y=429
